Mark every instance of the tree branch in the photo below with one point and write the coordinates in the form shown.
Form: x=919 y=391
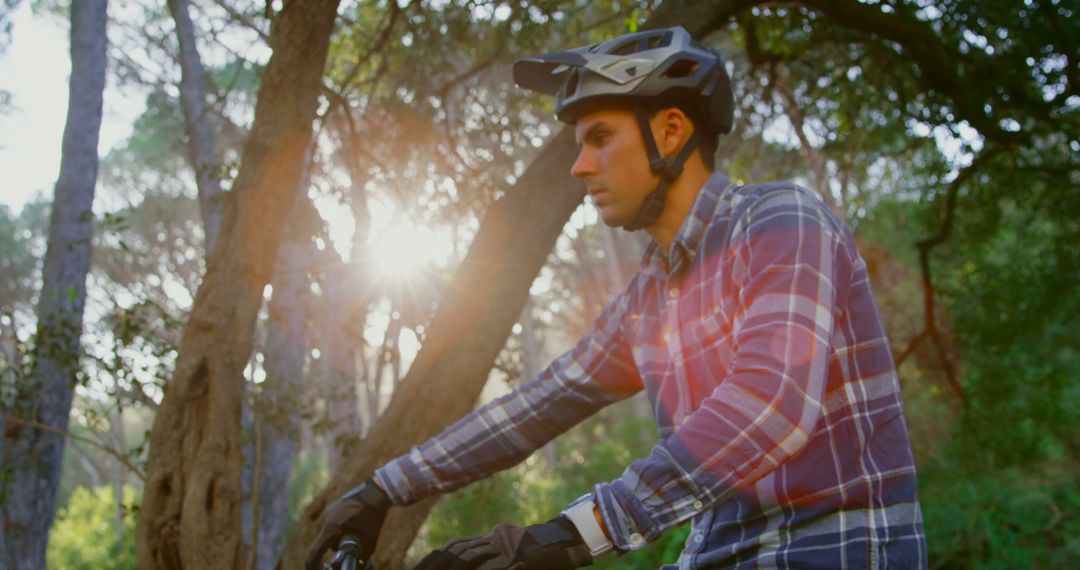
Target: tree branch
x=811 y=155
x=243 y=20
x=40 y=426
x=943 y=68
x=924 y=246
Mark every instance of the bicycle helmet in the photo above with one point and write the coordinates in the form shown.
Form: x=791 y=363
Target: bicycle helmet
x=639 y=70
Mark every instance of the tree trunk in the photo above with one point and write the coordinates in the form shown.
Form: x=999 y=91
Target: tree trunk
x=190 y=515
x=200 y=137
x=337 y=362
x=475 y=317
x=33 y=457
x=275 y=413
x=532 y=349
x=271 y=424
x=118 y=472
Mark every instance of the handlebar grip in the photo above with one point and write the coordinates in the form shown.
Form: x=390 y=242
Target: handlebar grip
x=347 y=556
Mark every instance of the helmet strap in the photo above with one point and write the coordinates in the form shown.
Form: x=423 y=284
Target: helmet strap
x=668 y=169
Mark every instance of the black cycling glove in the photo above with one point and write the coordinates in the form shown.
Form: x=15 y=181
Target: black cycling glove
x=359 y=513
x=554 y=545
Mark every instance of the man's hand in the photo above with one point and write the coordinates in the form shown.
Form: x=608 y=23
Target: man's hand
x=554 y=545
x=359 y=513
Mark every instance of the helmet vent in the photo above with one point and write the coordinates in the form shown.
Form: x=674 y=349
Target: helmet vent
x=642 y=43
x=626 y=48
x=658 y=41
x=571 y=84
x=682 y=68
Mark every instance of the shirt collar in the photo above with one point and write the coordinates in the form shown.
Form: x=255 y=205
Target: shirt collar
x=688 y=239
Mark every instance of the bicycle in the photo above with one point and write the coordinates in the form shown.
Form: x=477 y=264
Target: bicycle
x=347 y=556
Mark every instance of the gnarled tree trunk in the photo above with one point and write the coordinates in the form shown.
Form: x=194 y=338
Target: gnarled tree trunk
x=190 y=515
x=33 y=447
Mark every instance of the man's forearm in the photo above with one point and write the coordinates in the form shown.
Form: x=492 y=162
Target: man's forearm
x=497 y=435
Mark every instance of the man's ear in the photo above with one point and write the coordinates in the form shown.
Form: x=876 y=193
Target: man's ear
x=672 y=130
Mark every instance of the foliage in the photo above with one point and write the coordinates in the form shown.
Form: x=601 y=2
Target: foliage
x=1001 y=519
x=84 y=535
x=21 y=249
x=1003 y=491
x=310 y=475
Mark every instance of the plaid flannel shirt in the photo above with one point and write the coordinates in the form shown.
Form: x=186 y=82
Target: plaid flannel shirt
x=759 y=344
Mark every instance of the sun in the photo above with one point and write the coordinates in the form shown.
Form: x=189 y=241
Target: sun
x=402 y=250
x=398 y=251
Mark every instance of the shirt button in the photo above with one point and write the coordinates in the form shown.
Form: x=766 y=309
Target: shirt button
x=698 y=537
x=635 y=538
x=673 y=293
x=698 y=505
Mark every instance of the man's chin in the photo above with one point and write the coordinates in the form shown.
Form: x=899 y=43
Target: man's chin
x=611 y=218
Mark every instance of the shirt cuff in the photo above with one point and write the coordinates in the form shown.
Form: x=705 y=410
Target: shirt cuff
x=394 y=481
x=626 y=531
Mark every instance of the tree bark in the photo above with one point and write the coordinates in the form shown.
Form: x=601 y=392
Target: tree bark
x=532 y=349
x=118 y=471
x=200 y=137
x=280 y=397
x=32 y=458
x=475 y=317
x=191 y=511
x=337 y=362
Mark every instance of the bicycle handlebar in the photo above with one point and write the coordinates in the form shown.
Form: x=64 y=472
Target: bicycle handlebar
x=347 y=556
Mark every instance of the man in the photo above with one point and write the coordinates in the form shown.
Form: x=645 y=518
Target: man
x=751 y=326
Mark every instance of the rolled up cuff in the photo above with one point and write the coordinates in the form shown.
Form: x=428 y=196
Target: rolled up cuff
x=623 y=516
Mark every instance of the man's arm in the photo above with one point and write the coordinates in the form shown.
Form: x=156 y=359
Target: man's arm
x=789 y=263
x=598 y=371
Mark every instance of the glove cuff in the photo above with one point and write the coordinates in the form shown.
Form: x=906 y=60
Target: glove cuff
x=371 y=495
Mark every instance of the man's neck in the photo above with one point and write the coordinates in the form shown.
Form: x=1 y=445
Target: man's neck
x=679 y=202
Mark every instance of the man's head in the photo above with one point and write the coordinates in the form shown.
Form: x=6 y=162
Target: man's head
x=646 y=77
x=612 y=158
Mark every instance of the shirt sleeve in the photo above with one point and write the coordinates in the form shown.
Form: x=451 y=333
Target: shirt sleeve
x=597 y=371
x=788 y=262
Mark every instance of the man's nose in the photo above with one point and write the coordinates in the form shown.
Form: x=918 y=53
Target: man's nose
x=585 y=164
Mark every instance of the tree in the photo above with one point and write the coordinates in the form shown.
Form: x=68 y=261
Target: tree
x=277 y=403
x=197 y=123
x=33 y=440
x=190 y=515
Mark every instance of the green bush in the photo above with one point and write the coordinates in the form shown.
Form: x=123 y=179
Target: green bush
x=85 y=536
x=1001 y=520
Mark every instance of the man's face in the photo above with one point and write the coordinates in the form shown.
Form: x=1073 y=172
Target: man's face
x=613 y=163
